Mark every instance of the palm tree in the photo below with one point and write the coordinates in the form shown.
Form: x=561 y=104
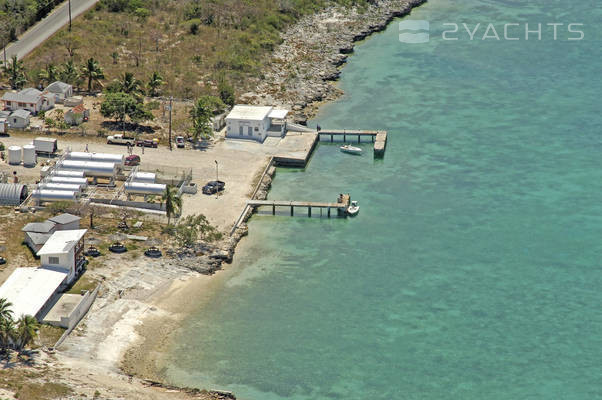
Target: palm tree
x=5 y=311
x=69 y=73
x=16 y=73
x=173 y=203
x=130 y=85
x=154 y=82
x=92 y=71
x=7 y=333
x=26 y=331
x=48 y=75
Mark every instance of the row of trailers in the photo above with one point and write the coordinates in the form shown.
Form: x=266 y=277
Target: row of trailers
x=70 y=177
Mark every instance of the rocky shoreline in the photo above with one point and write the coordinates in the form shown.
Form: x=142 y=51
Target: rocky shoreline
x=304 y=66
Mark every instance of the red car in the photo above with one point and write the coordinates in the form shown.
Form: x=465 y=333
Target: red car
x=132 y=161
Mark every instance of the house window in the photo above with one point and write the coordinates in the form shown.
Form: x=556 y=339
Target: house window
x=53 y=260
x=256 y=129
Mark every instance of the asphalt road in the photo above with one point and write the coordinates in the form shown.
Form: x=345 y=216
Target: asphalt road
x=45 y=28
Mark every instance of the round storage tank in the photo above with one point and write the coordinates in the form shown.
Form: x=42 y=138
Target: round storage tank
x=147 y=177
x=54 y=195
x=144 y=188
x=60 y=186
x=29 y=155
x=91 y=168
x=15 y=155
x=12 y=194
x=82 y=182
x=70 y=174
x=97 y=157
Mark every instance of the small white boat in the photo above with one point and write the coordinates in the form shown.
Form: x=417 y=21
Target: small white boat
x=353 y=208
x=351 y=149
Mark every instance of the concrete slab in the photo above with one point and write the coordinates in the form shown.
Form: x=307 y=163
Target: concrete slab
x=62 y=308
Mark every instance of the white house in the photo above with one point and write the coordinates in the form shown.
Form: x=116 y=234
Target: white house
x=61 y=90
x=64 y=251
x=29 y=99
x=19 y=119
x=255 y=122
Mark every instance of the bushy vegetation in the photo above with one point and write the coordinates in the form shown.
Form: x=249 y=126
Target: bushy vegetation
x=16 y=334
x=198 y=47
x=17 y=15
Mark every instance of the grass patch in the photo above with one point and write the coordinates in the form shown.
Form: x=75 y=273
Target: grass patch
x=43 y=391
x=83 y=283
x=49 y=335
x=23 y=383
x=190 y=43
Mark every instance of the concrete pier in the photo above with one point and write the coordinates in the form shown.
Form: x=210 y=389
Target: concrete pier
x=340 y=206
x=379 y=138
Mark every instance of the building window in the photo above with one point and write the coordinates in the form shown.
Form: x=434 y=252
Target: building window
x=256 y=129
x=53 y=260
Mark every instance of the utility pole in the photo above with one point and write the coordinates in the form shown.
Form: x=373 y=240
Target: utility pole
x=69 y=15
x=170 y=107
x=216 y=170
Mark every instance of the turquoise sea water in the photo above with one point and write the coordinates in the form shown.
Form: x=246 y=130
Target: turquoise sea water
x=474 y=268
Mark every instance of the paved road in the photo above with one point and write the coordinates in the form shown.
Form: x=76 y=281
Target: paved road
x=41 y=31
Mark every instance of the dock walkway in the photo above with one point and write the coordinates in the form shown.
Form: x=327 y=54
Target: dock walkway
x=340 y=206
x=379 y=138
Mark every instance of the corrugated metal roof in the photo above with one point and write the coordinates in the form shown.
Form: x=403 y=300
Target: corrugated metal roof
x=12 y=193
x=39 y=227
x=38 y=238
x=21 y=114
x=65 y=218
x=58 y=87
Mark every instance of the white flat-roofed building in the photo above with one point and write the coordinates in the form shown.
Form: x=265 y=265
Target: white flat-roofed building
x=255 y=122
x=32 y=291
x=64 y=250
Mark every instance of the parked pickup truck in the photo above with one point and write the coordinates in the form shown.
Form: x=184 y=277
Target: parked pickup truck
x=121 y=139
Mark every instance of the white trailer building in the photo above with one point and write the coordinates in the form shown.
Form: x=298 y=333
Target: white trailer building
x=32 y=291
x=255 y=122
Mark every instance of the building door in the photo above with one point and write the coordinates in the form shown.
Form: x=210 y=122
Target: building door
x=250 y=130
x=240 y=132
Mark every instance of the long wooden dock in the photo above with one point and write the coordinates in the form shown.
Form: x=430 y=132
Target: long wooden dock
x=379 y=138
x=340 y=206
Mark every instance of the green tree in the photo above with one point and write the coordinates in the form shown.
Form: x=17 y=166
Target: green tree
x=92 y=71
x=154 y=83
x=69 y=73
x=26 y=331
x=121 y=105
x=226 y=92
x=173 y=202
x=7 y=333
x=201 y=115
x=130 y=85
x=5 y=311
x=15 y=71
x=49 y=74
x=187 y=232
